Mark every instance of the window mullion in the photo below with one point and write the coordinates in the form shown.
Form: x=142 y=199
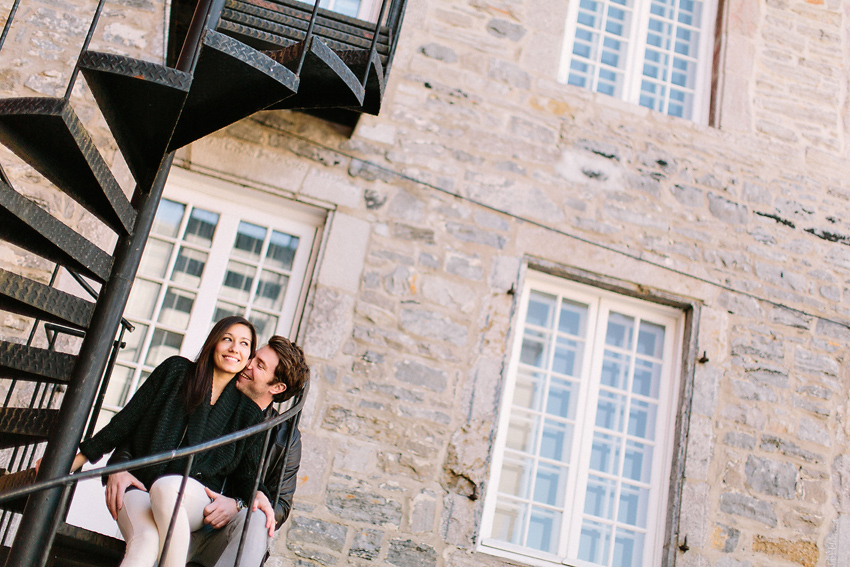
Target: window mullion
x=637 y=53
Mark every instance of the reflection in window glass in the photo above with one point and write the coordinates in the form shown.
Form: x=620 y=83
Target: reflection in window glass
x=282 y=248
x=201 y=227
x=168 y=217
x=249 y=241
x=163 y=345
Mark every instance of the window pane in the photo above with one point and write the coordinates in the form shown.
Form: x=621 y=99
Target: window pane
x=155 y=258
x=615 y=370
x=549 y=485
x=516 y=476
x=224 y=309
x=620 y=331
x=142 y=299
x=541 y=309
x=201 y=227
x=637 y=464
x=535 y=349
x=281 y=253
x=509 y=521
x=563 y=396
x=238 y=281
x=634 y=504
x=189 y=267
x=605 y=453
x=522 y=431
x=271 y=290
x=628 y=549
x=163 y=344
x=176 y=308
x=528 y=392
x=265 y=325
x=249 y=241
x=647 y=379
x=594 y=542
x=557 y=440
x=119 y=385
x=573 y=318
x=133 y=342
x=568 y=357
x=651 y=340
x=642 y=419
x=543 y=529
x=610 y=411
x=168 y=217
x=600 y=497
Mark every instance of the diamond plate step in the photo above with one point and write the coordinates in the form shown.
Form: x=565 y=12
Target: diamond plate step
x=30 y=363
x=78 y=547
x=141 y=102
x=25 y=224
x=231 y=81
x=276 y=18
x=19 y=426
x=34 y=299
x=46 y=133
x=10 y=481
x=326 y=81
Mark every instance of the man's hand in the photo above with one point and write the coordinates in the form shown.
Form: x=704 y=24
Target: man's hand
x=261 y=502
x=220 y=511
x=116 y=485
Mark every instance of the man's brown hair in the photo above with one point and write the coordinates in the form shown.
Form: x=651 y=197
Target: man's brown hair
x=291 y=368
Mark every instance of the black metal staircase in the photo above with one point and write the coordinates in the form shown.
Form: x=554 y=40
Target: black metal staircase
x=236 y=57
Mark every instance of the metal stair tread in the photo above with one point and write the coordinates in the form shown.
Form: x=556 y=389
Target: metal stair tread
x=46 y=133
x=326 y=81
x=25 y=425
x=253 y=82
x=35 y=299
x=25 y=224
x=28 y=362
x=292 y=24
x=129 y=92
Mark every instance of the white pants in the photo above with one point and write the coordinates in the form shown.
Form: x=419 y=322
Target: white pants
x=145 y=517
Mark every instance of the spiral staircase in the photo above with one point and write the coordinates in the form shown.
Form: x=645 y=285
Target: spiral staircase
x=227 y=59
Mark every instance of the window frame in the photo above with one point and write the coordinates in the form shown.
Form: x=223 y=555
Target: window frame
x=632 y=71
x=667 y=482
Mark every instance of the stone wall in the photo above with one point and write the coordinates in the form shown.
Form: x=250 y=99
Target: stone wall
x=482 y=164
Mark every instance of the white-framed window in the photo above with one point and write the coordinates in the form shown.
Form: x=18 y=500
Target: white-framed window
x=584 y=444
x=215 y=249
x=366 y=10
x=656 y=53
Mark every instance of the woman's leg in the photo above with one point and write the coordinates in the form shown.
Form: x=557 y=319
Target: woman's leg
x=190 y=515
x=138 y=527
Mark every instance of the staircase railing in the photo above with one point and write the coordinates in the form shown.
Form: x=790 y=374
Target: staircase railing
x=291 y=416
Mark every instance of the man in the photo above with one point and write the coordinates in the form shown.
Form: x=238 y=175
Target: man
x=277 y=372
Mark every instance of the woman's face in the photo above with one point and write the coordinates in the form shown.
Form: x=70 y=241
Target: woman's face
x=233 y=351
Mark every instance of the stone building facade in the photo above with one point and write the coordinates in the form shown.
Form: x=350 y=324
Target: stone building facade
x=482 y=171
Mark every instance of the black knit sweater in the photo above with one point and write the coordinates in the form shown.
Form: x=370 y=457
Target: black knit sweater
x=155 y=420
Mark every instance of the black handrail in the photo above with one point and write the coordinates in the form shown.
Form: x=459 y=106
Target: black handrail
x=160 y=457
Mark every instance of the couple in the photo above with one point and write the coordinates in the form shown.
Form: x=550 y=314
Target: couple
x=229 y=387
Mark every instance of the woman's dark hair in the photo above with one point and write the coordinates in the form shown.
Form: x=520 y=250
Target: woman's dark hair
x=196 y=385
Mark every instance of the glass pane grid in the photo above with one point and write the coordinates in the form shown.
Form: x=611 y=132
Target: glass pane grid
x=601 y=45
x=670 y=61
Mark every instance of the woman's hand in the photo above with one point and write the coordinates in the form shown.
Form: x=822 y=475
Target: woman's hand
x=116 y=486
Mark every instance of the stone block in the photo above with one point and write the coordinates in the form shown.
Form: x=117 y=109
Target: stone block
x=439 y=52
x=470 y=233
x=434 y=326
x=725 y=538
x=465 y=267
x=454 y=295
x=688 y=195
x=748 y=507
x=726 y=210
x=837 y=544
x=504 y=29
x=366 y=544
x=509 y=73
x=810 y=362
x=419 y=374
x=408 y=553
x=361 y=504
x=330 y=323
x=739 y=440
x=772 y=443
x=771 y=477
x=328 y=535
x=424 y=507
x=345 y=253
x=802 y=552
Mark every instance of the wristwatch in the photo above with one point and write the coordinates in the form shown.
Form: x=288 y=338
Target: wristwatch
x=240 y=505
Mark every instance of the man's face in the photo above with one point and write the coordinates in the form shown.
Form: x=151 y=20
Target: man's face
x=255 y=380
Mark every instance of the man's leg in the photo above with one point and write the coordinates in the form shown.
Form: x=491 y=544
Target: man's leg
x=218 y=548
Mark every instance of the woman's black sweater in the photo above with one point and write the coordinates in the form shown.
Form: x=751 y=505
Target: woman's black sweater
x=155 y=420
